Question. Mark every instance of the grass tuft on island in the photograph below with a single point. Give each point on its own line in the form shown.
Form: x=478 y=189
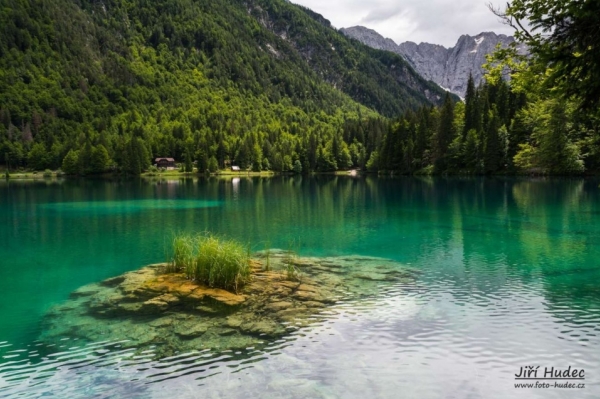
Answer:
x=210 y=260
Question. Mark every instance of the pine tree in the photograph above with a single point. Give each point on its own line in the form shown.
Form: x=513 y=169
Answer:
x=189 y=166
x=471 y=114
x=138 y=157
x=493 y=147
x=471 y=151
x=503 y=103
x=422 y=138
x=445 y=134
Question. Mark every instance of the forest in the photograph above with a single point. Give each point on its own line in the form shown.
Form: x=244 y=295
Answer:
x=496 y=130
x=96 y=86
x=93 y=87
x=546 y=120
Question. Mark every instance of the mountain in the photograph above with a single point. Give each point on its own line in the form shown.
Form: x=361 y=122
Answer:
x=447 y=67
x=250 y=81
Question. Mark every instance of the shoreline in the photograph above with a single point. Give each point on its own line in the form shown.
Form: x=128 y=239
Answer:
x=172 y=175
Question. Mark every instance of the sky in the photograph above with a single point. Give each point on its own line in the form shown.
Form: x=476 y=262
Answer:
x=433 y=21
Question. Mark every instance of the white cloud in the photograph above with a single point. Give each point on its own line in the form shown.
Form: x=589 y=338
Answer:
x=433 y=21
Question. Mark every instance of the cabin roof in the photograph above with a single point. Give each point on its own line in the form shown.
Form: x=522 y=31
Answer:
x=165 y=159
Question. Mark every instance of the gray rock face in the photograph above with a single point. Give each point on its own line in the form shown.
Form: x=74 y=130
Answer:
x=371 y=38
x=448 y=67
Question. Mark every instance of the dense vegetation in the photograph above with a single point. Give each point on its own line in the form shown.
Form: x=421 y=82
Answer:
x=496 y=130
x=560 y=79
x=91 y=86
x=546 y=121
x=213 y=261
x=564 y=39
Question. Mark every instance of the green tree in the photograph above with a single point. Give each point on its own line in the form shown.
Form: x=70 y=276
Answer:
x=551 y=147
x=202 y=158
x=266 y=164
x=38 y=157
x=556 y=152
x=345 y=159
x=526 y=157
x=493 y=154
x=373 y=162
x=470 y=156
x=287 y=164
x=445 y=134
x=138 y=158
x=70 y=163
x=189 y=166
x=297 y=167
x=85 y=158
x=99 y=160
x=213 y=165
x=564 y=36
x=422 y=139
x=471 y=108
x=325 y=159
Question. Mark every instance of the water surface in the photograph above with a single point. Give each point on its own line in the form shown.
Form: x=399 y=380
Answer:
x=509 y=278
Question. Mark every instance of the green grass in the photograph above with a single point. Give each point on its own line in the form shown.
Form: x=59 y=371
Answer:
x=291 y=272
x=267 y=252
x=268 y=263
x=227 y=172
x=182 y=255
x=20 y=174
x=210 y=260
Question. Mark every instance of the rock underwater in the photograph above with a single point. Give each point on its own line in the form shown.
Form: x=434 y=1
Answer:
x=171 y=314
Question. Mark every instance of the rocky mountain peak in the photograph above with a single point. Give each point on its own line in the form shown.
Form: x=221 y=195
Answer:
x=447 y=67
x=370 y=37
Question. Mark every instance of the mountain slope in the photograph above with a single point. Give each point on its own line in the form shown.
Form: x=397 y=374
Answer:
x=448 y=67
x=251 y=80
x=373 y=78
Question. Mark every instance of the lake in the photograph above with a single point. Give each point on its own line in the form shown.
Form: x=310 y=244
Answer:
x=509 y=277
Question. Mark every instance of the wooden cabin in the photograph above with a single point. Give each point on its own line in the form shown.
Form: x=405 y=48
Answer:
x=167 y=163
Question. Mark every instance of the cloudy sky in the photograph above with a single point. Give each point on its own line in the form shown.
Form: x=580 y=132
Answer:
x=433 y=21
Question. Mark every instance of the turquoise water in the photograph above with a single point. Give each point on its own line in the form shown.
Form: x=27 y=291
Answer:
x=510 y=278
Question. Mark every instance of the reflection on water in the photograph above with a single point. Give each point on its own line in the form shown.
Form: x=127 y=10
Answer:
x=509 y=278
x=112 y=207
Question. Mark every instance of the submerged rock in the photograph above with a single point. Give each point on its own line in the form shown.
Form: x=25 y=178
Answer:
x=172 y=314
x=190 y=329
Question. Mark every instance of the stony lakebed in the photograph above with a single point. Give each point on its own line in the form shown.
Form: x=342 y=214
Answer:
x=148 y=309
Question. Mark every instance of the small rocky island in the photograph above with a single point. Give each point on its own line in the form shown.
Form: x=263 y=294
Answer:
x=167 y=312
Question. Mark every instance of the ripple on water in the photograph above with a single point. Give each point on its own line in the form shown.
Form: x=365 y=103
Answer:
x=107 y=368
x=456 y=341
